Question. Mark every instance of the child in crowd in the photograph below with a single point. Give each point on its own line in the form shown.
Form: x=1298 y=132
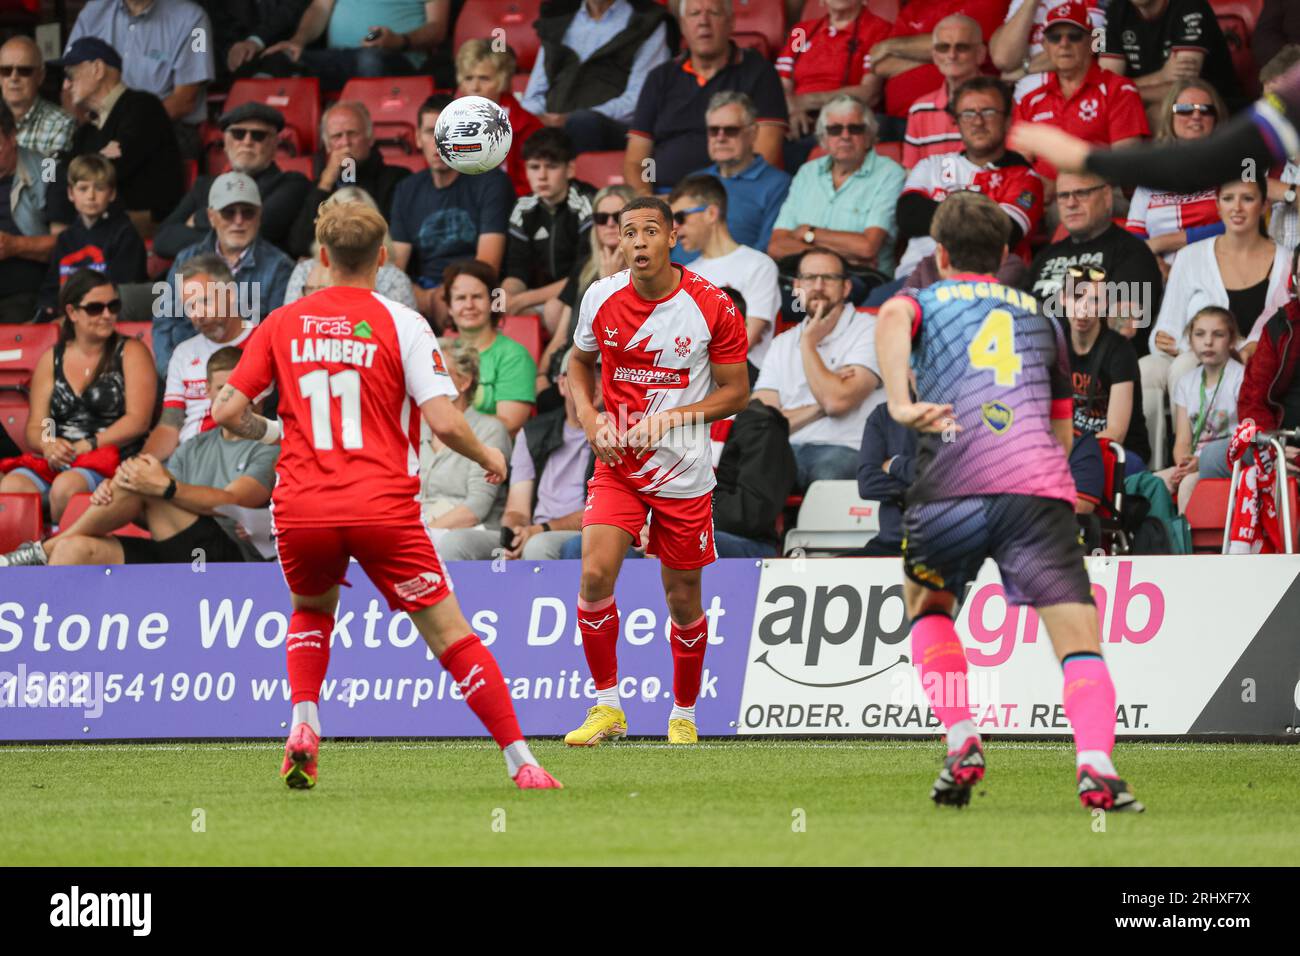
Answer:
x=1205 y=398
x=97 y=238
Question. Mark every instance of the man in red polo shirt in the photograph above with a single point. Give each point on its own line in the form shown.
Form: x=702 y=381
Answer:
x=1079 y=96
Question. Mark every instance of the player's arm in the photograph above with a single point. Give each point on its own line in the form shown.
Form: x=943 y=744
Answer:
x=729 y=398
x=453 y=431
x=233 y=410
x=582 y=386
x=894 y=327
x=491 y=249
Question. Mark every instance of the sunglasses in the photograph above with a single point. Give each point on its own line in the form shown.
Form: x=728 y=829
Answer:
x=853 y=129
x=958 y=48
x=1065 y=36
x=679 y=217
x=1199 y=109
x=1091 y=273
x=241 y=133
x=114 y=306
x=1079 y=194
x=239 y=211
x=604 y=218
x=23 y=71
x=986 y=114
x=725 y=132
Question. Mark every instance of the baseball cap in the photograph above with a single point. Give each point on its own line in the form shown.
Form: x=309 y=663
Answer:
x=259 y=112
x=1072 y=11
x=230 y=188
x=86 y=49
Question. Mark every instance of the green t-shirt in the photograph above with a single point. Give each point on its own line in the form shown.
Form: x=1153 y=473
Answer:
x=506 y=373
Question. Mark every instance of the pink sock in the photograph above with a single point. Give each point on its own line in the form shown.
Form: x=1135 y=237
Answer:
x=1090 y=702
x=940 y=661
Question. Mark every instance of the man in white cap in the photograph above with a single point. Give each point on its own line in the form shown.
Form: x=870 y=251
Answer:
x=261 y=270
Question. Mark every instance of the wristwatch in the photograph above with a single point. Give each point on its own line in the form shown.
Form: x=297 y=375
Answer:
x=810 y=236
x=546 y=526
x=1289 y=196
x=170 y=493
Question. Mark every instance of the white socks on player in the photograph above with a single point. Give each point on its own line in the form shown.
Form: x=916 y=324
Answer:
x=1098 y=760
x=306 y=713
x=683 y=713
x=959 y=733
x=609 y=698
x=517 y=754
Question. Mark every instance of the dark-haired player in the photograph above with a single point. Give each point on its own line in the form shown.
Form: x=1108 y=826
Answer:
x=994 y=387
x=356 y=372
x=673 y=359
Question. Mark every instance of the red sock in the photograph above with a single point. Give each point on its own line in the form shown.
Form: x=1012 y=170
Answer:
x=307 y=652
x=484 y=689
x=689 y=642
x=598 y=624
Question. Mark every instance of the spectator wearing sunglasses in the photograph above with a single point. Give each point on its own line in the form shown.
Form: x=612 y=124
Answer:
x=1078 y=95
x=1017 y=49
x=100 y=238
x=42 y=126
x=25 y=240
x=957 y=51
x=260 y=269
x=1094 y=242
x=248 y=134
x=96 y=387
x=1168 y=221
x=845 y=200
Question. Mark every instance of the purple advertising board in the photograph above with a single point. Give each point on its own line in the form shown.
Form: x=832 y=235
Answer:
x=174 y=651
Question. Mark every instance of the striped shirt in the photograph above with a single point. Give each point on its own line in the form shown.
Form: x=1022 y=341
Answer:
x=46 y=129
x=930 y=130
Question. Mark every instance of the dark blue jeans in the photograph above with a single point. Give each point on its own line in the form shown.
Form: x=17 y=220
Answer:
x=336 y=67
x=825 y=463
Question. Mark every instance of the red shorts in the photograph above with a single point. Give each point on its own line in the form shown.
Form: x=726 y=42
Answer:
x=398 y=559
x=681 y=529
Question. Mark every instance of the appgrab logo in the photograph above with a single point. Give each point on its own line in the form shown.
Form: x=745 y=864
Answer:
x=75 y=909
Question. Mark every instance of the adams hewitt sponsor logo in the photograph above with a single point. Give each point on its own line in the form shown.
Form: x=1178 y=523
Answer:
x=653 y=377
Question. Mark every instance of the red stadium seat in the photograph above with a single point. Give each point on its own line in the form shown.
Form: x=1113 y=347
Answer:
x=480 y=19
x=77 y=506
x=20 y=519
x=601 y=169
x=1236 y=31
x=526 y=330
x=21 y=346
x=397 y=157
x=519 y=83
x=140 y=331
x=762 y=21
x=1206 y=513
x=14 y=412
x=297 y=164
x=297 y=98
x=393 y=102
x=892 y=151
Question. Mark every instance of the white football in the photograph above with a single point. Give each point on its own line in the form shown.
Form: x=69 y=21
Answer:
x=473 y=135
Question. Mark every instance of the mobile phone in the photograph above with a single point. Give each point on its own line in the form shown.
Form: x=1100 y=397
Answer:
x=507 y=537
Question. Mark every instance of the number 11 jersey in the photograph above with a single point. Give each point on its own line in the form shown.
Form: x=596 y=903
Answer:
x=352 y=369
x=985 y=349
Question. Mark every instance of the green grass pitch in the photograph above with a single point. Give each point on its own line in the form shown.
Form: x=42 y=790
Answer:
x=721 y=803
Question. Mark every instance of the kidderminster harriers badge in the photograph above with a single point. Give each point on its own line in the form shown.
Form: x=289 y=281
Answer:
x=683 y=346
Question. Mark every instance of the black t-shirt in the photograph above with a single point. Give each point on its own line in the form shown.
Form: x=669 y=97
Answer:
x=1130 y=267
x=1246 y=304
x=1185 y=24
x=1110 y=361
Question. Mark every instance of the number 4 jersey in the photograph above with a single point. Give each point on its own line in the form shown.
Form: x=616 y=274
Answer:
x=985 y=349
x=352 y=369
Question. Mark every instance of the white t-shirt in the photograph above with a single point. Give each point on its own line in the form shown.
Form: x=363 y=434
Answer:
x=1223 y=412
x=187 y=380
x=754 y=275
x=852 y=342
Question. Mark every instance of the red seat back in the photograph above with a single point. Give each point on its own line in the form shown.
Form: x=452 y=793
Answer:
x=20 y=519
x=77 y=506
x=600 y=169
x=481 y=19
x=1236 y=31
x=762 y=22
x=892 y=151
x=14 y=411
x=526 y=330
x=393 y=102
x=140 y=331
x=412 y=161
x=21 y=346
x=1206 y=513
x=297 y=98
x=296 y=164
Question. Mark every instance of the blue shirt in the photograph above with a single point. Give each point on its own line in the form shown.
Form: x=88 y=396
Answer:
x=443 y=225
x=351 y=20
x=584 y=37
x=157 y=47
x=754 y=198
x=866 y=199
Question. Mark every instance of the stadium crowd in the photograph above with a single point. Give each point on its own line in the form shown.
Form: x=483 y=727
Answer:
x=804 y=149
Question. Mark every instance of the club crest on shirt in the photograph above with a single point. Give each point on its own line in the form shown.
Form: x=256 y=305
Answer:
x=683 y=343
x=998 y=416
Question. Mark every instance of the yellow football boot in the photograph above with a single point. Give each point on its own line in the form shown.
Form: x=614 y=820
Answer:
x=682 y=731
x=602 y=723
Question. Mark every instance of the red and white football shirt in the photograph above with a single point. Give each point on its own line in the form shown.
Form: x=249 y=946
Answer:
x=1152 y=213
x=1010 y=182
x=187 y=381
x=657 y=356
x=352 y=369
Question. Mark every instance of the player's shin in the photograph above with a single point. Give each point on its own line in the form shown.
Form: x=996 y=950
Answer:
x=598 y=623
x=1090 y=706
x=307 y=655
x=689 y=642
x=941 y=664
x=479 y=680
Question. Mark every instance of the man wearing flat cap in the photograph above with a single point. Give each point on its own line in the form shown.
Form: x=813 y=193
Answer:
x=261 y=271
x=128 y=126
x=249 y=135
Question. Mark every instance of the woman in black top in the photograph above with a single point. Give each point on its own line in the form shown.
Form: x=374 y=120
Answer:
x=95 y=387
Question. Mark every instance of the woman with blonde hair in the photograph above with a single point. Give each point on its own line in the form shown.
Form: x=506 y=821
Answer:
x=310 y=276
x=483 y=71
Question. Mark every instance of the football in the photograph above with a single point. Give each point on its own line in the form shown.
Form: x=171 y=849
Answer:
x=473 y=135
